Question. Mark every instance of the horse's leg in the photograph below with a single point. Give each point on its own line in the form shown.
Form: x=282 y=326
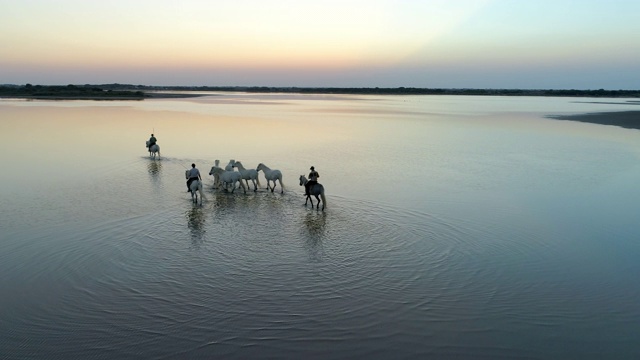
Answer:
x=281 y=186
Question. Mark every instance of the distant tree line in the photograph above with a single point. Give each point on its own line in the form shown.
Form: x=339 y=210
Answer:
x=68 y=92
x=389 y=91
x=127 y=91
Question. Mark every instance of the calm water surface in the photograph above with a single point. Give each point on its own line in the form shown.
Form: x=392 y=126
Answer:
x=456 y=227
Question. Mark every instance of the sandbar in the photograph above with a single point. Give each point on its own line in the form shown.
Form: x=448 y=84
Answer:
x=625 y=119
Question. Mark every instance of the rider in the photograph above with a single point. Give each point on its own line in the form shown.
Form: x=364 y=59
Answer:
x=313 y=179
x=194 y=174
x=152 y=141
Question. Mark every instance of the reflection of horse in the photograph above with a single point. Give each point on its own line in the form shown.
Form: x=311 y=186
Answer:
x=196 y=185
x=153 y=150
x=196 y=221
x=250 y=174
x=154 y=167
x=271 y=175
x=228 y=178
x=315 y=222
x=315 y=190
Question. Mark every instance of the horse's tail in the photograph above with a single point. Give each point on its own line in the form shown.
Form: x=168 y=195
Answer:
x=281 y=183
x=200 y=190
x=324 y=199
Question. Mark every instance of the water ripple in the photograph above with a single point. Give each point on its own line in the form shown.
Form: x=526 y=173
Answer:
x=243 y=272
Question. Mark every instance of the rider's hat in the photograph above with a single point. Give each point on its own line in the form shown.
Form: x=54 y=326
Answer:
x=311 y=168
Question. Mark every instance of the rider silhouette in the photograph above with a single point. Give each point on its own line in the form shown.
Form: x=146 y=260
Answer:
x=194 y=174
x=313 y=179
x=152 y=141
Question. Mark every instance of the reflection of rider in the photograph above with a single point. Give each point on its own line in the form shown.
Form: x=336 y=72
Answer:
x=313 y=179
x=194 y=174
x=152 y=141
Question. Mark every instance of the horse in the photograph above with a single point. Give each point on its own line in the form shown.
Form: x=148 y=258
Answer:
x=229 y=166
x=248 y=174
x=228 y=177
x=216 y=171
x=153 y=150
x=271 y=175
x=216 y=177
x=196 y=185
x=315 y=190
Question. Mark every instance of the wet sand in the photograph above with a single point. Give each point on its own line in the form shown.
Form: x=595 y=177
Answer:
x=625 y=119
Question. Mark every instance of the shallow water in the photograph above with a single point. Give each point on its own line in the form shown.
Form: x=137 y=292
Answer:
x=467 y=227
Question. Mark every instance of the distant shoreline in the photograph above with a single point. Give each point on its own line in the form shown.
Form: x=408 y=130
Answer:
x=625 y=119
x=141 y=92
x=102 y=98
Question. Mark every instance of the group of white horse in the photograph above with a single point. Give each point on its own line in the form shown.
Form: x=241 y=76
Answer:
x=226 y=179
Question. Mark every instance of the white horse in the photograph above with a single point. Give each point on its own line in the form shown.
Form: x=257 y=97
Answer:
x=217 y=181
x=153 y=150
x=195 y=186
x=216 y=177
x=271 y=175
x=228 y=177
x=229 y=166
x=315 y=190
x=248 y=174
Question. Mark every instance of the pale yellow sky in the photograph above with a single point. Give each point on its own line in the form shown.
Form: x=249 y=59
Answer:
x=330 y=43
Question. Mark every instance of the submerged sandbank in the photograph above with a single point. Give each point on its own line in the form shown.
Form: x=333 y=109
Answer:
x=625 y=119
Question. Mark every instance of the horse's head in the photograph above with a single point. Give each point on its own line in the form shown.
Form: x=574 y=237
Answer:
x=303 y=180
x=186 y=174
x=260 y=166
x=215 y=170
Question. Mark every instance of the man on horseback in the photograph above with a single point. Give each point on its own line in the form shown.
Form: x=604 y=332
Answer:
x=313 y=179
x=152 y=141
x=194 y=174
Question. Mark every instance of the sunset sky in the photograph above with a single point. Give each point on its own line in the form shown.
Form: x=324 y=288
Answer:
x=550 y=44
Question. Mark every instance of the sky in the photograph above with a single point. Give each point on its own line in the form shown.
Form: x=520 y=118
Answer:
x=525 y=44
